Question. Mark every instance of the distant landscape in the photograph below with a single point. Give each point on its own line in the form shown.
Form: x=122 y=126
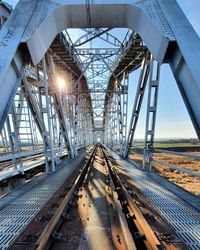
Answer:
x=189 y=146
x=173 y=144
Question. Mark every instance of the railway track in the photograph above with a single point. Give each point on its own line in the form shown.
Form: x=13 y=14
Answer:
x=97 y=212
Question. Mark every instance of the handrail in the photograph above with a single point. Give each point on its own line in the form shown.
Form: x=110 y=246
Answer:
x=177 y=168
x=177 y=153
x=197 y=157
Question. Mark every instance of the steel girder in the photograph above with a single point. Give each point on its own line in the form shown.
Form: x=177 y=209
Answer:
x=58 y=104
x=163 y=31
x=143 y=78
x=33 y=105
x=152 y=103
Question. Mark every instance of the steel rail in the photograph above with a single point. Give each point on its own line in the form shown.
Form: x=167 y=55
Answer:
x=126 y=234
x=113 y=189
x=46 y=234
x=151 y=241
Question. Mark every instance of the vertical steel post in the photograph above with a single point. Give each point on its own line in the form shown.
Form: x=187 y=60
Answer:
x=143 y=78
x=45 y=109
x=124 y=102
x=151 y=113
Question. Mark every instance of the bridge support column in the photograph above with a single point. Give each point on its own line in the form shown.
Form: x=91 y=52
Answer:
x=143 y=78
x=124 y=110
x=183 y=59
x=57 y=97
x=151 y=114
x=44 y=101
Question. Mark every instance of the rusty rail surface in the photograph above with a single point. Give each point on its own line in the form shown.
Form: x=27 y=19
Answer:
x=53 y=223
x=150 y=240
x=143 y=237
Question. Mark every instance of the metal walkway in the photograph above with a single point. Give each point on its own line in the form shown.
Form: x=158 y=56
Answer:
x=12 y=171
x=19 y=207
x=184 y=218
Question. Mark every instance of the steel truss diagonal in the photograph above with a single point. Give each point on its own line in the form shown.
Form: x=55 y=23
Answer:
x=39 y=52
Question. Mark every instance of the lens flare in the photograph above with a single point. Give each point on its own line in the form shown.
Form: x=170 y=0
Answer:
x=60 y=83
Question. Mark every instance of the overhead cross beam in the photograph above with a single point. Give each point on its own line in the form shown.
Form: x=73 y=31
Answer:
x=28 y=37
x=102 y=34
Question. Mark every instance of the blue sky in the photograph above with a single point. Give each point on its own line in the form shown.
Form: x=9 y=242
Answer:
x=172 y=117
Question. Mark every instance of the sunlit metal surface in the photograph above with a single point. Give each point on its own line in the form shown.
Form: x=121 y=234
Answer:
x=37 y=113
x=64 y=84
x=183 y=217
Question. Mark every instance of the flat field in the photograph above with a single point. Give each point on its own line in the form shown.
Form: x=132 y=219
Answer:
x=186 y=181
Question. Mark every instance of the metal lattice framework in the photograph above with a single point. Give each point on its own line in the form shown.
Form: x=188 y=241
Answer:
x=38 y=50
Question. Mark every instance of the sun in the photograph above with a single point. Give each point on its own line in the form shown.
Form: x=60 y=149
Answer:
x=61 y=83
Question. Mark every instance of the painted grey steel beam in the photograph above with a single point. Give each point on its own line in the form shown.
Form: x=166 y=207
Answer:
x=63 y=125
x=102 y=34
x=38 y=28
x=9 y=85
x=188 y=86
x=183 y=59
x=185 y=155
x=12 y=156
x=5 y=10
x=33 y=105
x=158 y=25
x=89 y=36
x=183 y=170
x=58 y=104
x=143 y=78
x=10 y=38
x=97 y=51
x=152 y=103
x=42 y=29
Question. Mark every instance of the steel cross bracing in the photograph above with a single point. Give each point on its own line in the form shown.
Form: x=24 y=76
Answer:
x=143 y=78
x=95 y=67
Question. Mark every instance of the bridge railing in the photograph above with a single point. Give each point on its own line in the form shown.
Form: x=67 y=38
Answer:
x=185 y=155
x=68 y=43
x=124 y=47
x=131 y=39
x=171 y=166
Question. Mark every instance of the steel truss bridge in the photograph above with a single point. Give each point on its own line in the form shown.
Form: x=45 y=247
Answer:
x=64 y=84
x=39 y=53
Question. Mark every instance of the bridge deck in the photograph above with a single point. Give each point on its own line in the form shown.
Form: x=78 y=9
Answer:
x=166 y=198
x=19 y=207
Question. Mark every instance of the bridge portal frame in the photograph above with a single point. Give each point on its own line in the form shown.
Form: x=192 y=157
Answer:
x=43 y=21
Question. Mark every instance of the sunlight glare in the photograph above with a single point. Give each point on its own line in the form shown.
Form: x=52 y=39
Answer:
x=60 y=83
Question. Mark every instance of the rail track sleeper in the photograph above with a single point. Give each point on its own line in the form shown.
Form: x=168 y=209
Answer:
x=149 y=234
x=46 y=234
x=140 y=220
x=98 y=208
x=130 y=245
